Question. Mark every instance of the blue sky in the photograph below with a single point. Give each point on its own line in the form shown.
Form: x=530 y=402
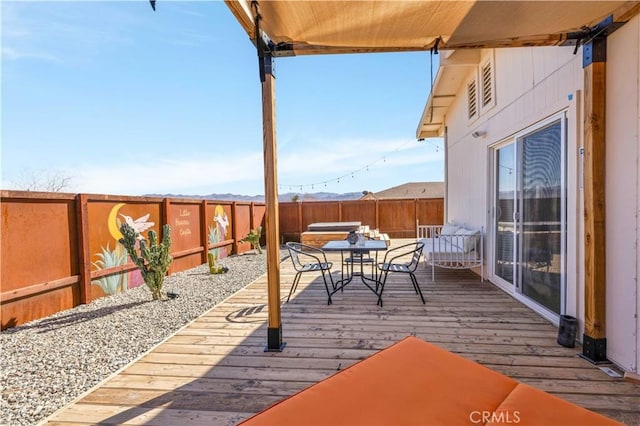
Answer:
x=129 y=101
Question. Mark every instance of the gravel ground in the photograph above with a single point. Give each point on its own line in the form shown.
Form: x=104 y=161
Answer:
x=48 y=363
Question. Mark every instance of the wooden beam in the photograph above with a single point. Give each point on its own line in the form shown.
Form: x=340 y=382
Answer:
x=274 y=331
x=11 y=295
x=594 y=343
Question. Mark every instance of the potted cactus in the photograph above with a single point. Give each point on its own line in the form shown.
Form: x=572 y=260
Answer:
x=152 y=258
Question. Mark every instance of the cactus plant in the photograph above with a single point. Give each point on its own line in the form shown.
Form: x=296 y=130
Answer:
x=152 y=260
x=214 y=254
x=214 y=268
x=253 y=237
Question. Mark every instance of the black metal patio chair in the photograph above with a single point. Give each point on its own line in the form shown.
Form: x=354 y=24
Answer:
x=392 y=263
x=306 y=258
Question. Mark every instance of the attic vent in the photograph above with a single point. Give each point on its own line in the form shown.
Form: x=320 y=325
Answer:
x=487 y=87
x=472 y=99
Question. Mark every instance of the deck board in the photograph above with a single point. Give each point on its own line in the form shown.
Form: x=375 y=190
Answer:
x=215 y=370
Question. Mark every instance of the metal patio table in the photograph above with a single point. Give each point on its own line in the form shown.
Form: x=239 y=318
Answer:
x=343 y=246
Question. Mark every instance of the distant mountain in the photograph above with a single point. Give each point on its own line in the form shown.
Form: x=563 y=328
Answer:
x=289 y=196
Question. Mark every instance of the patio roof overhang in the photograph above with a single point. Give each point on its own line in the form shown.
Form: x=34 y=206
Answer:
x=301 y=27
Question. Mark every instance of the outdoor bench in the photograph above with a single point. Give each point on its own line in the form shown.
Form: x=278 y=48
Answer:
x=451 y=246
x=414 y=382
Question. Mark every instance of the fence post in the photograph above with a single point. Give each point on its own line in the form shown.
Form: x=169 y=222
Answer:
x=339 y=211
x=415 y=214
x=377 y=215
x=204 y=235
x=84 y=258
x=165 y=220
x=251 y=219
x=234 y=226
x=300 y=230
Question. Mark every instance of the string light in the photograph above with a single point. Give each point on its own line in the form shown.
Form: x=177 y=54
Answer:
x=353 y=173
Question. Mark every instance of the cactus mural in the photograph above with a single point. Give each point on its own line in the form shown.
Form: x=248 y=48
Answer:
x=217 y=233
x=116 y=283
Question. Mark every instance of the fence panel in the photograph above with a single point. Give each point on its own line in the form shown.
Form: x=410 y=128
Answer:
x=112 y=271
x=363 y=211
x=40 y=268
x=259 y=210
x=242 y=225
x=186 y=234
x=219 y=223
x=397 y=218
x=430 y=211
x=290 y=221
x=320 y=211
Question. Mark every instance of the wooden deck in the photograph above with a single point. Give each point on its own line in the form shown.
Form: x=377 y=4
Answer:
x=215 y=371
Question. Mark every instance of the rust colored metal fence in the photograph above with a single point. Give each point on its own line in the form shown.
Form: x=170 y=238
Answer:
x=395 y=217
x=61 y=250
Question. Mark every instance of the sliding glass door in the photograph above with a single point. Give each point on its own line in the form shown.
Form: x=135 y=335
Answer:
x=530 y=215
x=505 y=213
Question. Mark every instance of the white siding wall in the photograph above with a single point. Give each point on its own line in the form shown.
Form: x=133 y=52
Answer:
x=525 y=95
x=622 y=176
x=531 y=85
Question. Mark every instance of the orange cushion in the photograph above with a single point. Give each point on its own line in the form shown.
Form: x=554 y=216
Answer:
x=409 y=383
x=527 y=405
x=416 y=383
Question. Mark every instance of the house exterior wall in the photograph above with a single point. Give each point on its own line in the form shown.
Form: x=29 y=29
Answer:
x=534 y=84
x=622 y=176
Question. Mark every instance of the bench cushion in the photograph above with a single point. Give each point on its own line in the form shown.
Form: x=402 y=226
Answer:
x=467 y=239
x=415 y=383
x=443 y=250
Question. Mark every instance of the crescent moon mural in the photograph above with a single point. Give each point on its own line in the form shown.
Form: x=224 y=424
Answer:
x=112 y=222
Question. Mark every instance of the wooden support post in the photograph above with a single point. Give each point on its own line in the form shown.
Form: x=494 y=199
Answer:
x=274 y=327
x=84 y=257
x=594 y=345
